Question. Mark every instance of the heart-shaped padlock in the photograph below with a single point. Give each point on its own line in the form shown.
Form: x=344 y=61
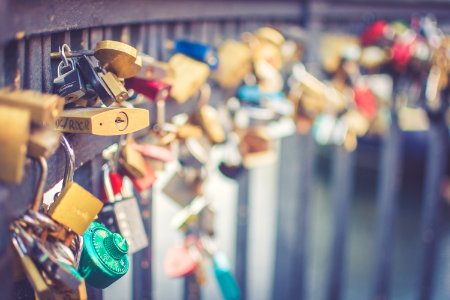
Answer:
x=179 y=262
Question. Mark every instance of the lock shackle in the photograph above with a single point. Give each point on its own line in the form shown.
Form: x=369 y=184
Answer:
x=37 y=201
x=204 y=94
x=107 y=183
x=62 y=52
x=70 y=160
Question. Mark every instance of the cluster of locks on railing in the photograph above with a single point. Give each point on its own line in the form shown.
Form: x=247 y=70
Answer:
x=268 y=94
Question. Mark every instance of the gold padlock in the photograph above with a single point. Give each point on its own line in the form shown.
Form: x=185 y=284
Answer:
x=43 y=142
x=189 y=76
x=116 y=87
x=256 y=148
x=155 y=70
x=333 y=48
x=74 y=208
x=119 y=58
x=15 y=124
x=43 y=108
x=133 y=161
x=103 y=121
x=235 y=63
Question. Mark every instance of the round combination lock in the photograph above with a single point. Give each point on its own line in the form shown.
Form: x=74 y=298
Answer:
x=104 y=258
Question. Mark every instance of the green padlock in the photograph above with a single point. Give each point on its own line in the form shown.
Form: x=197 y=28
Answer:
x=104 y=258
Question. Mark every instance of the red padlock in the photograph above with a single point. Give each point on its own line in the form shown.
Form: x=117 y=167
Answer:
x=365 y=101
x=116 y=183
x=375 y=33
x=147 y=181
x=152 y=89
x=401 y=54
x=154 y=152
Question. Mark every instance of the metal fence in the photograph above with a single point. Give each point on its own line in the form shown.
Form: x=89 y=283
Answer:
x=352 y=234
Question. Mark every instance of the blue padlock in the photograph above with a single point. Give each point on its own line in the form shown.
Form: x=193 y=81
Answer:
x=198 y=51
x=226 y=280
x=250 y=94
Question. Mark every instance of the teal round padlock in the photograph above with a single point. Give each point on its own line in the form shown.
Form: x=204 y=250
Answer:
x=104 y=257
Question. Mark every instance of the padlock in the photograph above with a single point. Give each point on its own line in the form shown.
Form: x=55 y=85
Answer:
x=91 y=75
x=189 y=76
x=235 y=63
x=256 y=148
x=153 y=69
x=13 y=138
x=122 y=213
x=104 y=258
x=208 y=117
x=154 y=152
x=222 y=271
x=378 y=33
x=132 y=161
x=103 y=121
x=198 y=51
x=152 y=89
x=184 y=218
x=116 y=87
x=182 y=188
x=68 y=83
x=44 y=109
x=118 y=58
x=413 y=119
x=144 y=183
x=180 y=261
x=43 y=142
x=194 y=153
x=365 y=101
x=75 y=208
x=333 y=48
x=54 y=261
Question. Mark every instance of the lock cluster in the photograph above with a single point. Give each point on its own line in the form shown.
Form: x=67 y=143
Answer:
x=234 y=102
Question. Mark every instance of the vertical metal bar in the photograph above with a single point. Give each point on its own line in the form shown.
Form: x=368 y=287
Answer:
x=2 y=66
x=95 y=36
x=20 y=79
x=341 y=199
x=389 y=184
x=242 y=232
x=290 y=280
x=437 y=157
x=47 y=79
x=34 y=63
x=142 y=271
x=10 y=63
x=153 y=40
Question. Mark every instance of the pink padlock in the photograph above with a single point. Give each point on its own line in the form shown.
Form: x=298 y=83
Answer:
x=154 y=152
x=180 y=262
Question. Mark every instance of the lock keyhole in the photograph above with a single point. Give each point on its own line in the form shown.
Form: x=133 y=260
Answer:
x=121 y=121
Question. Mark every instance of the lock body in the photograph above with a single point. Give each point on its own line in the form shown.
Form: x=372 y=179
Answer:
x=104 y=258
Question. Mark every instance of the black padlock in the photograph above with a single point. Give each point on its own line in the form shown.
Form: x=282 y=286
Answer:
x=69 y=83
x=231 y=171
x=91 y=74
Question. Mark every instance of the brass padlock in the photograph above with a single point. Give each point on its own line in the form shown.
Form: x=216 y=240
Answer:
x=119 y=58
x=116 y=87
x=332 y=50
x=43 y=108
x=133 y=161
x=189 y=76
x=15 y=124
x=256 y=148
x=103 y=121
x=74 y=208
x=43 y=142
x=235 y=63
